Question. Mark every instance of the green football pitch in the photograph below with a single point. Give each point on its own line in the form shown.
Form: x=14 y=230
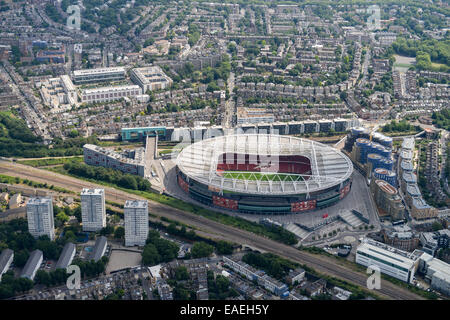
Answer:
x=266 y=176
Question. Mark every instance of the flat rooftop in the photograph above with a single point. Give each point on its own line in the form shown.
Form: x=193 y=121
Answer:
x=386 y=187
x=87 y=191
x=85 y=72
x=136 y=204
x=387 y=253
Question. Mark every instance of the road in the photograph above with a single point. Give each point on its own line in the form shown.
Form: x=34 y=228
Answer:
x=229 y=104
x=323 y=264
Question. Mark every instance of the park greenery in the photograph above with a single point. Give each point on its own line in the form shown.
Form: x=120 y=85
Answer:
x=401 y=126
x=15 y=236
x=158 y=250
x=201 y=250
x=441 y=119
x=31 y=183
x=52 y=278
x=46 y=162
x=116 y=177
x=426 y=52
x=273 y=265
x=11 y=286
x=91 y=268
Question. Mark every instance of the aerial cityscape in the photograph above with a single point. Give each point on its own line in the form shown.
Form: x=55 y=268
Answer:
x=242 y=150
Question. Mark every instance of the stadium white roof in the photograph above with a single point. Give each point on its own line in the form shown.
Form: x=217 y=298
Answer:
x=329 y=167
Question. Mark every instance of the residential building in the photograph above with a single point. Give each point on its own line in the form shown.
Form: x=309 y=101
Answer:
x=15 y=201
x=40 y=217
x=388 y=201
x=93 y=212
x=432 y=241
x=98 y=75
x=52 y=55
x=150 y=78
x=107 y=94
x=136 y=222
x=270 y=284
x=32 y=265
x=132 y=163
x=264 y=280
x=6 y=258
x=401 y=237
x=67 y=255
x=296 y=275
x=99 y=248
x=254 y=115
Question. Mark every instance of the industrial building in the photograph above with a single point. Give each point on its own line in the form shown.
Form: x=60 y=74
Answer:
x=32 y=265
x=40 y=217
x=67 y=255
x=396 y=263
x=6 y=258
x=150 y=78
x=136 y=222
x=98 y=75
x=93 y=211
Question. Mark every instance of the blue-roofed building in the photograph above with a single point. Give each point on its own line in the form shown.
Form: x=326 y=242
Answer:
x=138 y=134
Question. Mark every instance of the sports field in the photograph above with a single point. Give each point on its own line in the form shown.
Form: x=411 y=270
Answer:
x=262 y=176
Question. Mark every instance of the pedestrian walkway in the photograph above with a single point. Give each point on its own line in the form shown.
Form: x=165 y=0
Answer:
x=298 y=231
x=350 y=218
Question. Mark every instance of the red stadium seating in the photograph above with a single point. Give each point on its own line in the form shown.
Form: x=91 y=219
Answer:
x=294 y=164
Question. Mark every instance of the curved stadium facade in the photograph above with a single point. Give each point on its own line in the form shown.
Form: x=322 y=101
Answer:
x=264 y=173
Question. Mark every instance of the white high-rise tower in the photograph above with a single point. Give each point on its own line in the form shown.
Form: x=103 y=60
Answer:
x=40 y=217
x=93 y=212
x=136 y=222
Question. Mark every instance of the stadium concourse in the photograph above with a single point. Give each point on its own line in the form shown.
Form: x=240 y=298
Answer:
x=264 y=173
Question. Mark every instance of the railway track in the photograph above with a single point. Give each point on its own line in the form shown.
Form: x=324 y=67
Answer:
x=320 y=263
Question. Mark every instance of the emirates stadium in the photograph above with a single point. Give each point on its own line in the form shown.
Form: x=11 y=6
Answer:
x=264 y=173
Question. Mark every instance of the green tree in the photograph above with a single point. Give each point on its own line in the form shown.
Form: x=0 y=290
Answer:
x=150 y=255
x=119 y=233
x=181 y=273
x=224 y=247
x=201 y=249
